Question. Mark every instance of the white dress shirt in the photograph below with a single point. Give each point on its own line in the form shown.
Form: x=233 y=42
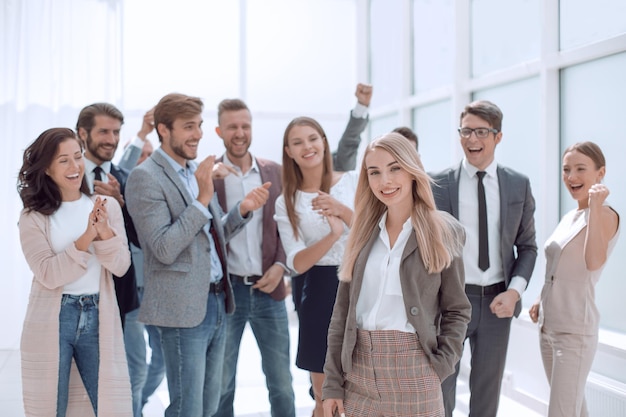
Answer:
x=312 y=226
x=468 y=216
x=89 y=174
x=381 y=304
x=245 y=254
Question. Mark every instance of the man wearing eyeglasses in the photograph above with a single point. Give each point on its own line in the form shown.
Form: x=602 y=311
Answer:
x=496 y=207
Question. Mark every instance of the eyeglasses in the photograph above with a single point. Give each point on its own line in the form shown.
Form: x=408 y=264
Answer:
x=480 y=132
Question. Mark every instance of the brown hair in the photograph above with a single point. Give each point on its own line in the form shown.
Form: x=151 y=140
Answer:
x=87 y=116
x=174 y=106
x=589 y=149
x=292 y=174
x=230 y=104
x=487 y=111
x=36 y=189
x=440 y=237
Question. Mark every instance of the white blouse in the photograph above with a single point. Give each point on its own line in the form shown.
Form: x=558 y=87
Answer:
x=381 y=303
x=312 y=227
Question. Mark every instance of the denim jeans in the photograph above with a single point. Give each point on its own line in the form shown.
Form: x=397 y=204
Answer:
x=78 y=339
x=144 y=377
x=270 y=325
x=194 y=361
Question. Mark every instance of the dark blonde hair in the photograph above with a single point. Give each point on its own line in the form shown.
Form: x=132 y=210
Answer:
x=174 y=106
x=292 y=174
x=440 y=237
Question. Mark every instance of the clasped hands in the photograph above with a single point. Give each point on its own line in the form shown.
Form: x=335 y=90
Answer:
x=205 y=173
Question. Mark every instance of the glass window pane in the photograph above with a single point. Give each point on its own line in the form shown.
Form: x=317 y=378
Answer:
x=434 y=129
x=385 y=52
x=504 y=33
x=584 y=21
x=433 y=44
x=301 y=55
x=185 y=58
x=593 y=97
x=385 y=124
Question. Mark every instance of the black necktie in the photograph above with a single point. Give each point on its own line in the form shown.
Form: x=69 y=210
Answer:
x=97 y=172
x=483 y=238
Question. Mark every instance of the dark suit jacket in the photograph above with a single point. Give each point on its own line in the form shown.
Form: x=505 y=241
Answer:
x=518 y=245
x=177 y=252
x=271 y=246
x=126 y=285
x=435 y=304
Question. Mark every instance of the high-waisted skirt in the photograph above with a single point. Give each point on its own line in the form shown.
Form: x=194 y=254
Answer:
x=391 y=376
x=316 y=308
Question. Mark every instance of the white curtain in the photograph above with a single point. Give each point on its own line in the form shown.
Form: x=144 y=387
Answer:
x=56 y=57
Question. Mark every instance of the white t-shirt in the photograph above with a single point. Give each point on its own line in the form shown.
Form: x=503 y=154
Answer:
x=67 y=224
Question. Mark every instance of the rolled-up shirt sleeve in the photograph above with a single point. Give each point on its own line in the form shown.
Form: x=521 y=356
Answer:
x=291 y=244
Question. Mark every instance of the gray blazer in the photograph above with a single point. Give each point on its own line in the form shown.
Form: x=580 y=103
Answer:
x=177 y=257
x=344 y=159
x=435 y=304
x=518 y=245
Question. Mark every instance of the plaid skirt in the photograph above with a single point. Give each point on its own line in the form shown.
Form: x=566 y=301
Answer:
x=391 y=376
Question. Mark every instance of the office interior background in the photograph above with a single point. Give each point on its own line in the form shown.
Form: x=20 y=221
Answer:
x=556 y=69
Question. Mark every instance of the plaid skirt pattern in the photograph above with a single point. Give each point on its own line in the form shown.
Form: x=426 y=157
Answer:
x=391 y=376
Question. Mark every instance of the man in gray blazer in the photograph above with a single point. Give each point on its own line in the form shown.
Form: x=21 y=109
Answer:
x=495 y=282
x=183 y=234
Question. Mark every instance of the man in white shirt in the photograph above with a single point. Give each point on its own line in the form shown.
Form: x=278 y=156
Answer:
x=499 y=254
x=256 y=258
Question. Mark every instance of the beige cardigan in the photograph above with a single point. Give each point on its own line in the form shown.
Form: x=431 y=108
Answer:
x=40 y=335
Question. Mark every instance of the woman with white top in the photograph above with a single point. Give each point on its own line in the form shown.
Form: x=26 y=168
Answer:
x=575 y=256
x=73 y=243
x=401 y=312
x=314 y=214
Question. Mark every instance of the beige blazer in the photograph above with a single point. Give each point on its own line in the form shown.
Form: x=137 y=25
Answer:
x=436 y=306
x=40 y=336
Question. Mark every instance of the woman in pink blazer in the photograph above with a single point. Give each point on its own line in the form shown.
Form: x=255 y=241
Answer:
x=73 y=243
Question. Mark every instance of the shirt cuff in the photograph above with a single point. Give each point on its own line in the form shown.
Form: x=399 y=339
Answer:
x=137 y=142
x=203 y=209
x=282 y=265
x=518 y=284
x=360 y=111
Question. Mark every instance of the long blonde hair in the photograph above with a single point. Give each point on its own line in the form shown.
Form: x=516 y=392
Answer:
x=292 y=174
x=440 y=237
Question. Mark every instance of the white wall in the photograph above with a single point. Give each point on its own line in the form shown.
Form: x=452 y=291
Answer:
x=285 y=58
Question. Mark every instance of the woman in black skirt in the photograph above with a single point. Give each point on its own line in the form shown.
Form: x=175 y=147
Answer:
x=313 y=215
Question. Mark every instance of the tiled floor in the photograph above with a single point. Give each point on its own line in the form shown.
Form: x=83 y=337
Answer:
x=251 y=394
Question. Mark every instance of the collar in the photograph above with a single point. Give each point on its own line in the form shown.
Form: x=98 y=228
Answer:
x=90 y=165
x=190 y=168
x=254 y=165
x=471 y=170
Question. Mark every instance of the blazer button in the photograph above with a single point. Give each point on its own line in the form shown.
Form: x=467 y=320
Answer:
x=414 y=311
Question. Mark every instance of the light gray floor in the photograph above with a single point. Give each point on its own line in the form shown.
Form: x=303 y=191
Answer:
x=250 y=397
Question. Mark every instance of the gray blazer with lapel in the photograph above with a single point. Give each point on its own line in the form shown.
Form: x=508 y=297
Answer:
x=518 y=245
x=176 y=249
x=435 y=304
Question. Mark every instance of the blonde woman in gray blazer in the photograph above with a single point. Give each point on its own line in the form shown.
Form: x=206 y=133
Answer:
x=401 y=311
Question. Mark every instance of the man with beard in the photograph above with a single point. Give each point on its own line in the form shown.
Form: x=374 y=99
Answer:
x=256 y=257
x=183 y=234
x=99 y=126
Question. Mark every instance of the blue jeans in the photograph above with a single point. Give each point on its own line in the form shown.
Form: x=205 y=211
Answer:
x=78 y=339
x=194 y=361
x=144 y=378
x=269 y=322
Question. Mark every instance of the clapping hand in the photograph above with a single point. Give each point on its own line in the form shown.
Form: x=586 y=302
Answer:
x=255 y=199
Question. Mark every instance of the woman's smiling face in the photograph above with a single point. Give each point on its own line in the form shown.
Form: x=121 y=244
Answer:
x=579 y=174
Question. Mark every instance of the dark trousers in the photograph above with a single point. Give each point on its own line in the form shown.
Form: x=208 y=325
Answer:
x=489 y=339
